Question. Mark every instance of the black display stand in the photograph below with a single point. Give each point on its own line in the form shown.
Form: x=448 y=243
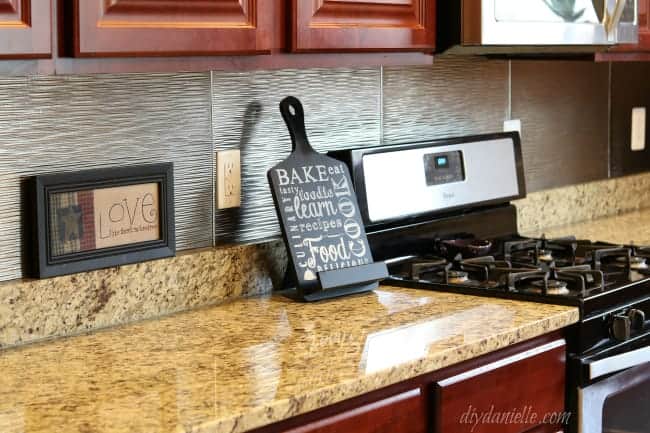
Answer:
x=340 y=282
x=319 y=215
x=349 y=280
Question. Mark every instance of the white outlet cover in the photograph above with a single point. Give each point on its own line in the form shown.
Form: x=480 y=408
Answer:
x=513 y=125
x=638 y=129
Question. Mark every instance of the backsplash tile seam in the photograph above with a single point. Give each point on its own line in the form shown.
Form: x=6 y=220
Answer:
x=381 y=105
x=213 y=184
x=340 y=111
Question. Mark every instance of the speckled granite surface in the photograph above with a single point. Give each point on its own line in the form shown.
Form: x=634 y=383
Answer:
x=34 y=309
x=633 y=227
x=584 y=202
x=253 y=361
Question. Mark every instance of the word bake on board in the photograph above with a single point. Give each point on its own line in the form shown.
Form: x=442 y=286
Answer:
x=317 y=207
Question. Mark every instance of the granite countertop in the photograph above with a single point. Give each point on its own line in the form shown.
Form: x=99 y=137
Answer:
x=253 y=361
x=620 y=229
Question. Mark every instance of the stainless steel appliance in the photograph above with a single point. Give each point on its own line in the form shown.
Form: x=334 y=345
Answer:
x=614 y=393
x=533 y=26
x=439 y=214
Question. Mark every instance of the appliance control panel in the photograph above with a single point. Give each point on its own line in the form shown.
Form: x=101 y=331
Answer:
x=441 y=168
x=402 y=181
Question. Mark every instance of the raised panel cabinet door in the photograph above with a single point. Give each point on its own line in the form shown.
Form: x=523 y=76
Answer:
x=402 y=413
x=25 y=29
x=516 y=394
x=119 y=28
x=363 y=25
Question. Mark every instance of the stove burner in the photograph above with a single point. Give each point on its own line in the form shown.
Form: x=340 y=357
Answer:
x=641 y=251
x=545 y=255
x=545 y=268
x=469 y=247
x=556 y=281
x=426 y=264
x=457 y=277
x=541 y=251
x=636 y=262
x=602 y=254
x=553 y=287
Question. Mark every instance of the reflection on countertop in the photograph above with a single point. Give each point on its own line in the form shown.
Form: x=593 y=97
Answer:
x=253 y=361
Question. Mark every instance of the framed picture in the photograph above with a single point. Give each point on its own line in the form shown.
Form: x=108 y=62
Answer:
x=100 y=218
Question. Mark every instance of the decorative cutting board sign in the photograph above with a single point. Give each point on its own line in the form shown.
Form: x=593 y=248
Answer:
x=320 y=219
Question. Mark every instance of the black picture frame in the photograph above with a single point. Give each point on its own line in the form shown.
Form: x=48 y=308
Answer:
x=43 y=263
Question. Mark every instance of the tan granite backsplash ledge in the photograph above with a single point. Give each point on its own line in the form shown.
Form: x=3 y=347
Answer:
x=32 y=310
x=583 y=202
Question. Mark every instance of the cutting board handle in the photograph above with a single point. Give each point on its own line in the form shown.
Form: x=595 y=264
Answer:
x=294 y=117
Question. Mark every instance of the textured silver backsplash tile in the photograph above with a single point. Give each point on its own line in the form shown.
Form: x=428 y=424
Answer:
x=341 y=111
x=52 y=124
x=456 y=96
x=563 y=107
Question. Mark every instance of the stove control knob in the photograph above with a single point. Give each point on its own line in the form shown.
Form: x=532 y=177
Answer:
x=621 y=327
x=637 y=317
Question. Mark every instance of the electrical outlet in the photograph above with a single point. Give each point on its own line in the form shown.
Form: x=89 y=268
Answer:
x=513 y=125
x=228 y=179
x=638 y=129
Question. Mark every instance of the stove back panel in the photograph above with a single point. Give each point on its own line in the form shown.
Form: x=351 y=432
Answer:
x=400 y=182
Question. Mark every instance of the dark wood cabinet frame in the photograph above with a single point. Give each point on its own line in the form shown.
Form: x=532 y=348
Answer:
x=136 y=29
x=62 y=49
x=25 y=29
x=353 y=25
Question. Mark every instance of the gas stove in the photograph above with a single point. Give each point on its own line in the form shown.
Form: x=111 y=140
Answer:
x=569 y=271
x=596 y=277
x=439 y=214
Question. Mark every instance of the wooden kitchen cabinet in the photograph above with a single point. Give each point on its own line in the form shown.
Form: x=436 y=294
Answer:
x=362 y=25
x=402 y=413
x=25 y=29
x=528 y=377
x=121 y=36
x=508 y=395
x=124 y=28
x=120 y=28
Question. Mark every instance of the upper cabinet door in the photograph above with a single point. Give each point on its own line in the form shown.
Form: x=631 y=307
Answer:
x=363 y=25
x=25 y=29
x=116 y=28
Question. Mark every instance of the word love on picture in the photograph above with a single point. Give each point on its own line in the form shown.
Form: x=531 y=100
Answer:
x=100 y=218
x=126 y=214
